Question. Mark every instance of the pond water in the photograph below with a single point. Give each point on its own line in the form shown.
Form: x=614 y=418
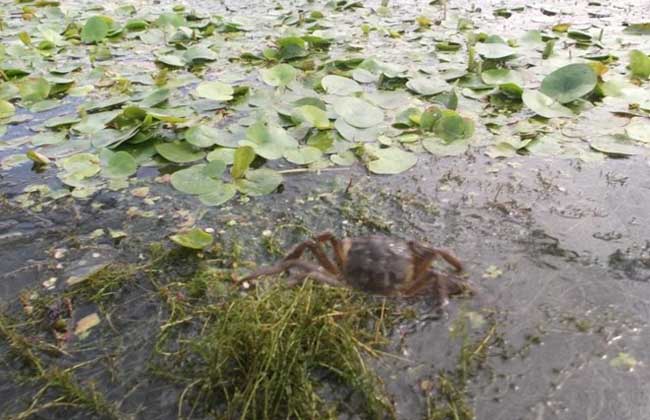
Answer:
x=555 y=238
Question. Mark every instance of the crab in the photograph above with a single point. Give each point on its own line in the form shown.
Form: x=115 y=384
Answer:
x=375 y=264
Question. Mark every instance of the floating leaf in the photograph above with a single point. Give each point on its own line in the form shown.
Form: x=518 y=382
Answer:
x=451 y=126
x=501 y=77
x=303 y=155
x=280 y=75
x=193 y=239
x=195 y=180
x=544 y=105
x=214 y=90
x=312 y=115
x=120 y=165
x=337 y=85
x=495 y=51
x=95 y=29
x=259 y=182
x=614 y=146
x=179 y=152
x=81 y=165
x=569 y=83
x=427 y=87
x=202 y=136
x=268 y=140
x=155 y=98
x=34 y=89
x=638 y=129
x=6 y=109
x=219 y=195
x=358 y=113
x=639 y=64
x=438 y=147
x=199 y=54
x=391 y=160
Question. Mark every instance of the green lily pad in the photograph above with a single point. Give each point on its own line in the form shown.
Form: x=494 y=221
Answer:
x=638 y=129
x=427 y=87
x=171 y=60
x=391 y=160
x=614 y=146
x=199 y=54
x=569 y=83
x=155 y=98
x=280 y=75
x=120 y=165
x=34 y=89
x=639 y=64
x=268 y=140
x=452 y=126
x=544 y=105
x=216 y=91
x=312 y=115
x=219 y=195
x=438 y=147
x=337 y=85
x=501 y=77
x=358 y=113
x=495 y=51
x=223 y=154
x=259 y=182
x=95 y=29
x=202 y=136
x=81 y=165
x=179 y=152
x=303 y=155
x=193 y=239
x=195 y=180
x=6 y=109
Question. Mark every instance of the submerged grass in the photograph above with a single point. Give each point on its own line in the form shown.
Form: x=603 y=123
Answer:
x=267 y=354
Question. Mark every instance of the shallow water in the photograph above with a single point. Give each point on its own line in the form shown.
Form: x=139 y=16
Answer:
x=571 y=241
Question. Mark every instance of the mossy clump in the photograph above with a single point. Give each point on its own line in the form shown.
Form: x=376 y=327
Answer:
x=267 y=354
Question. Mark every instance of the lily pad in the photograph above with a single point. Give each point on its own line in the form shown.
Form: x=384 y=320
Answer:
x=268 y=140
x=391 y=160
x=358 y=113
x=195 y=180
x=427 y=87
x=639 y=64
x=638 y=129
x=214 y=90
x=452 y=126
x=120 y=165
x=95 y=29
x=259 y=182
x=34 y=89
x=569 y=83
x=280 y=75
x=219 y=195
x=304 y=155
x=179 y=152
x=311 y=115
x=202 y=136
x=6 y=109
x=495 y=51
x=193 y=239
x=501 y=77
x=544 y=105
x=337 y=85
